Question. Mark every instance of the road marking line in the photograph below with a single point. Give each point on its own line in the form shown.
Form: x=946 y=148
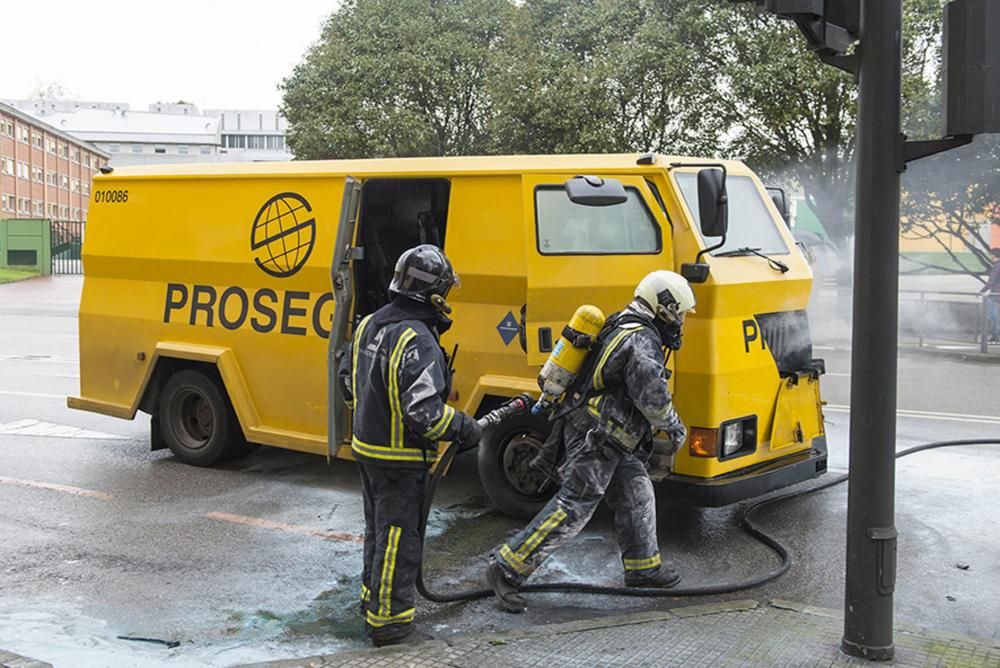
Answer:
x=65 y=489
x=50 y=429
x=929 y=415
x=15 y=393
x=289 y=528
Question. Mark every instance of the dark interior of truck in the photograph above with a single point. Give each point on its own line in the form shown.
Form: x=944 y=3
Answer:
x=396 y=215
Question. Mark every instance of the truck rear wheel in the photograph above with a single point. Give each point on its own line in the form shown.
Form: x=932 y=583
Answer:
x=517 y=489
x=197 y=421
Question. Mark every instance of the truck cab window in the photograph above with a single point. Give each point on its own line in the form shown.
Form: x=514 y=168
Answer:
x=566 y=228
x=396 y=215
x=750 y=222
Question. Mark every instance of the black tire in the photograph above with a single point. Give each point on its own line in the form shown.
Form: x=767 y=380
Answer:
x=517 y=490
x=197 y=420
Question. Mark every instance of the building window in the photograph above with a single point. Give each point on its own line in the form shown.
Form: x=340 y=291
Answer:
x=22 y=134
x=23 y=171
x=159 y=149
x=64 y=182
x=182 y=149
x=64 y=211
x=39 y=208
x=114 y=148
x=86 y=187
x=76 y=155
x=54 y=210
x=24 y=205
x=76 y=185
x=50 y=146
x=38 y=175
x=206 y=150
x=6 y=128
x=64 y=150
x=36 y=140
x=7 y=166
x=137 y=148
x=53 y=179
x=6 y=202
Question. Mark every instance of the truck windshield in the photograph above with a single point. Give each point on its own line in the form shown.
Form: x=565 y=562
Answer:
x=750 y=223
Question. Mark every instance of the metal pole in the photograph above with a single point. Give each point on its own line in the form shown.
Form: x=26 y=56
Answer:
x=984 y=326
x=871 y=534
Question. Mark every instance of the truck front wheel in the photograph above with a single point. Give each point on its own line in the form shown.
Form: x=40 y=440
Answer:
x=196 y=419
x=517 y=489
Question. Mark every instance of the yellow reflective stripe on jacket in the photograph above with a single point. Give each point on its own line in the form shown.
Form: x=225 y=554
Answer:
x=388 y=572
x=354 y=362
x=378 y=621
x=447 y=415
x=598 y=380
x=389 y=453
x=366 y=593
x=395 y=401
x=642 y=564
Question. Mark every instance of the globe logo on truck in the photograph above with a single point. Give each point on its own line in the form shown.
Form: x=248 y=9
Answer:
x=283 y=234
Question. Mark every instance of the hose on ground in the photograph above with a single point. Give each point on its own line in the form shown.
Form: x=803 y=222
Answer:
x=746 y=522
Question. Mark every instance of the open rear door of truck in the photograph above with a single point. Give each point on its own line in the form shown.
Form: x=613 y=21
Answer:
x=344 y=254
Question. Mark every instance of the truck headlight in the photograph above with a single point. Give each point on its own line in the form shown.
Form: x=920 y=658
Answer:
x=739 y=437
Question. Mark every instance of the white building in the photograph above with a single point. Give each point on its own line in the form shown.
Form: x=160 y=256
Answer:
x=168 y=132
x=252 y=135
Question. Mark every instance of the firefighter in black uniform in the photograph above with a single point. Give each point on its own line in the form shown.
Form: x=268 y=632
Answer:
x=399 y=382
x=619 y=399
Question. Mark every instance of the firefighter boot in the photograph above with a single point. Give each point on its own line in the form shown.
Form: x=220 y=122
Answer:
x=664 y=578
x=414 y=635
x=506 y=591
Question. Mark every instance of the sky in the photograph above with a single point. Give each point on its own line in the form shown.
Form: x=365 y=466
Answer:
x=215 y=53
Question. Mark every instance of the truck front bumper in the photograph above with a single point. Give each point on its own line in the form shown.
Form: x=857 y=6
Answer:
x=749 y=482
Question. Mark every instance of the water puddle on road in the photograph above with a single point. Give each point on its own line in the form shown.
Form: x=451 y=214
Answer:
x=63 y=636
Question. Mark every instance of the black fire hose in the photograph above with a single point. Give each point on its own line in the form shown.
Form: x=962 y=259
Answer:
x=746 y=523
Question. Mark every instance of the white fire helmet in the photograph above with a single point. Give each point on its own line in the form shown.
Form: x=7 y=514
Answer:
x=668 y=294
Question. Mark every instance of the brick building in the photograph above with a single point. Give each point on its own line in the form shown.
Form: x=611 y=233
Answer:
x=44 y=172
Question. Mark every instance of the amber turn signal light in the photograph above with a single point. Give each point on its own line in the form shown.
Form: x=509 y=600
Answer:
x=703 y=442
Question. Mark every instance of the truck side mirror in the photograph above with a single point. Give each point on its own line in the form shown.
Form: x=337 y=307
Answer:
x=713 y=203
x=971 y=62
x=780 y=203
x=595 y=191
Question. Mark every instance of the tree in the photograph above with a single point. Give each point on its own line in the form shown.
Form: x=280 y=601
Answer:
x=395 y=78
x=601 y=76
x=793 y=117
x=49 y=90
x=954 y=198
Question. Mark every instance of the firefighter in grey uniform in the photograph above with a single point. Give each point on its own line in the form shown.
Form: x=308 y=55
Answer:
x=399 y=382
x=619 y=400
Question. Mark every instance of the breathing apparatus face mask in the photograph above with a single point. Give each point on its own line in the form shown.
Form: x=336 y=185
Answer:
x=441 y=306
x=668 y=323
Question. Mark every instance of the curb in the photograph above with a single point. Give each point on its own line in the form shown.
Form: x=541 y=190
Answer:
x=11 y=660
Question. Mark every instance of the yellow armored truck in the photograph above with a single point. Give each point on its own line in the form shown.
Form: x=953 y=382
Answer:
x=219 y=297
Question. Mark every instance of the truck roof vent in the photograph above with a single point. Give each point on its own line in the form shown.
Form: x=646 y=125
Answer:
x=646 y=159
x=106 y=169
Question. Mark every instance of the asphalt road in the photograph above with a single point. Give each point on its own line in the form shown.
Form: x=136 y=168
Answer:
x=258 y=559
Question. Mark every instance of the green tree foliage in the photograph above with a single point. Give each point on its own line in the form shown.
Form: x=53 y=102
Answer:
x=793 y=117
x=602 y=76
x=396 y=78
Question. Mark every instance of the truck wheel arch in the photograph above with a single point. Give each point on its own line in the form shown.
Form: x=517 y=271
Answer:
x=169 y=358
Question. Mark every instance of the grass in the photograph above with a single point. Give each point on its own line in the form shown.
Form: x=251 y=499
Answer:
x=11 y=275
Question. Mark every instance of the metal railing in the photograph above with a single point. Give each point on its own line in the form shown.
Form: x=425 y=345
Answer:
x=67 y=244
x=949 y=315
